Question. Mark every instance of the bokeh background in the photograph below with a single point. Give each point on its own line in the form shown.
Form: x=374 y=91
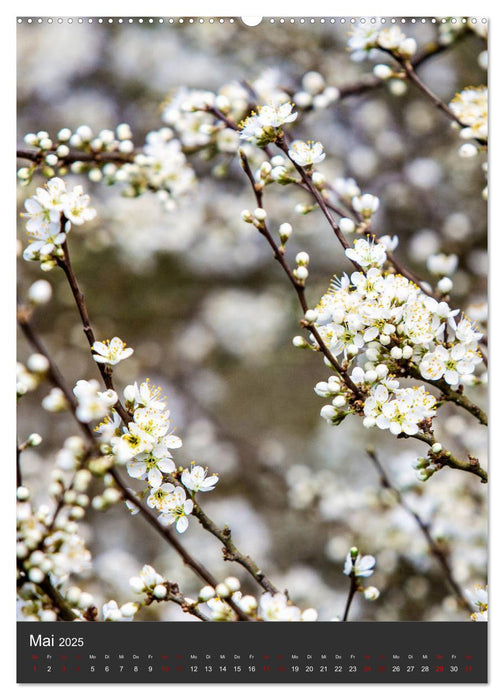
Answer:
x=196 y=293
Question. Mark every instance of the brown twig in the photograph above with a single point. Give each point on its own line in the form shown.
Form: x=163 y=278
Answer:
x=64 y=611
x=93 y=157
x=352 y=591
x=446 y=458
x=262 y=227
x=230 y=550
x=105 y=370
x=173 y=595
x=57 y=379
x=434 y=548
x=280 y=142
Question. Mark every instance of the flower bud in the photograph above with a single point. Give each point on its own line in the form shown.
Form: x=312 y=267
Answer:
x=222 y=590
x=128 y=609
x=123 y=132
x=111 y=495
x=302 y=258
x=206 y=593
x=36 y=575
x=260 y=214
x=339 y=401
x=73 y=595
x=328 y=412
x=248 y=604
x=445 y=285
x=346 y=225
x=407 y=47
x=48 y=616
x=371 y=593
x=382 y=71
x=468 y=150
x=40 y=292
x=159 y=591
x=137 y=584
x=126 y=146
x=86 y=601
x=51 y=159
x=85 y=132
x=301 y=273
x=232 y=583
x=64 y=134
x=38 y=363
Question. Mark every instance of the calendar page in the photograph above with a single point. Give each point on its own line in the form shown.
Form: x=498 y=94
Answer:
x=252 y=350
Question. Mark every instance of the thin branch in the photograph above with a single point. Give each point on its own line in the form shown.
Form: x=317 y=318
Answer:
x=53 y=373
x=93 y=157
x=300 y=291
x=445 y=458
x=105 y=370
x=434 y=548
x=280 y=142
x=58 y=381
x=450 y=395
x=166 y=533
x=19 y=478
x=351 y=593
x=371 y=82
x=231 y=551
x=64 y=611
x=173 y=595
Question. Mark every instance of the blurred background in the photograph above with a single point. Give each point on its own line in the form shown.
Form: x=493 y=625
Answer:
x=197 y=294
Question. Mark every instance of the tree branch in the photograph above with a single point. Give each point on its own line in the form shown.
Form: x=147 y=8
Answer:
x=436 y=551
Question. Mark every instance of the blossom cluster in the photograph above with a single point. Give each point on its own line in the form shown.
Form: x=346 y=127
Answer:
x=50 y=213
x=264 y=126
x=59 y=552
x=92 y=404
x=214 y=601
x=271 y=607
x=470 y=106
x=478 y=598
x=398 y=331
x=191 y=113
x=49 y=545
x=364 y=38
x=145 y=445
x=159 y=166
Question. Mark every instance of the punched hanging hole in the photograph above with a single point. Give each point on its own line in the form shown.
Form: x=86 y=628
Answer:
x=251 y=21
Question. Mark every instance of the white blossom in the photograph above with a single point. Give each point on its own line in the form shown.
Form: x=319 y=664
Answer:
x=367 y=253
x=361 y=567
x=197 y=480
x=175 y=509
x=478 y=597
x=111 y=352
x=92 y=404
x=306 y=153
x=276 y=116
x=274 y=607
x=146 y=581
x=470 y=106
